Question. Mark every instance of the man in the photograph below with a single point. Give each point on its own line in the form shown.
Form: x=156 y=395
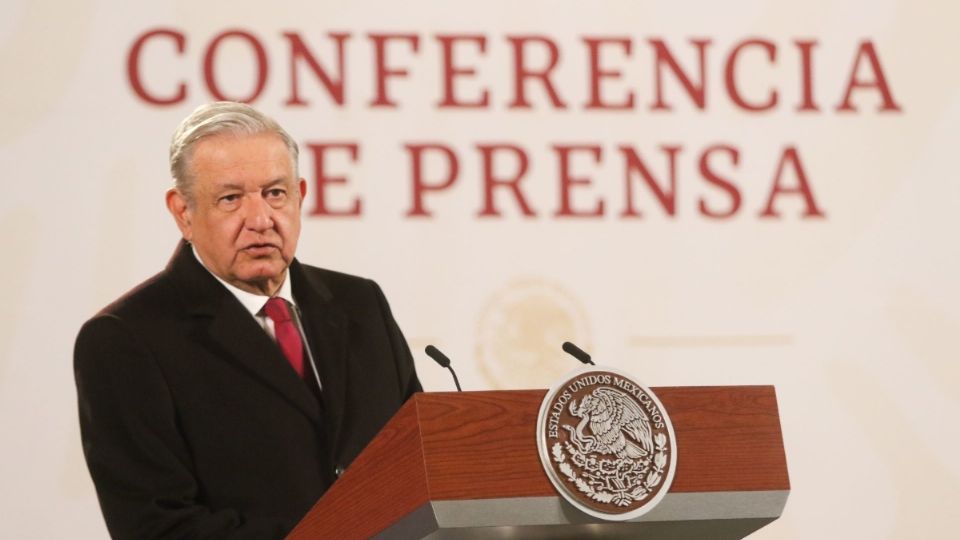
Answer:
x=223 y=396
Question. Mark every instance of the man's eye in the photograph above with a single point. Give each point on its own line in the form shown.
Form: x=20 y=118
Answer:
x=276 y=193
x=229 y=201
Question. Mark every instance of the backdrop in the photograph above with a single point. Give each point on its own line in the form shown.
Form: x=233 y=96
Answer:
x=707 y=193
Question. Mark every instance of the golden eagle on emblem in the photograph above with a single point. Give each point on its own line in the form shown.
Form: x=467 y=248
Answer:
x=617 y=425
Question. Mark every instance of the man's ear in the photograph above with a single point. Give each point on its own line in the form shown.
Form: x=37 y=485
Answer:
x=180 y=210
x=303 y=190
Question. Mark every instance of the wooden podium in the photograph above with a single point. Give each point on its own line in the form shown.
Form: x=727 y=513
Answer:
x=465 y=465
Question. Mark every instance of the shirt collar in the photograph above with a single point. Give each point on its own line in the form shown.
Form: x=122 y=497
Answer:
x=253 y=302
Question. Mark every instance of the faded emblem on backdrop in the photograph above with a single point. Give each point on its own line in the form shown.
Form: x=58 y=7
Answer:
x=518 y=331
x=607 y=444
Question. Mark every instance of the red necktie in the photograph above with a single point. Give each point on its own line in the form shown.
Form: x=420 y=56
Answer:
x=287 y=335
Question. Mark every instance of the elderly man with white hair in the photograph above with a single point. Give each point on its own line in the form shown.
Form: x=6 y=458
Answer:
x=223 y=396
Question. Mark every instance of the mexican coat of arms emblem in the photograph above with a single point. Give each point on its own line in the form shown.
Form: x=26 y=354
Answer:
x=606 y=443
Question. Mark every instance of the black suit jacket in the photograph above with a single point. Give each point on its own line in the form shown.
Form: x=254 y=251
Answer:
x=193 y=423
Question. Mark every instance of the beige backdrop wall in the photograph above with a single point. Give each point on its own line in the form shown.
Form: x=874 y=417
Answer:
x=852 y=315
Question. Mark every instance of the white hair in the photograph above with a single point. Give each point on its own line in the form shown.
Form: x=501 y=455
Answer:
x=218 y=118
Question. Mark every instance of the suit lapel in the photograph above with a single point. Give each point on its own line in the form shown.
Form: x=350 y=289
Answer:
x=248 y=346
x=326 y=327
x=235 y=334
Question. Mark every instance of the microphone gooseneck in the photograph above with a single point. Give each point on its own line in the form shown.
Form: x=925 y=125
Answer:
x=577 y=353
x=442 y=359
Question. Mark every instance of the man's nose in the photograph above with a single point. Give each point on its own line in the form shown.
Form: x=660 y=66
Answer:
x=258 y=215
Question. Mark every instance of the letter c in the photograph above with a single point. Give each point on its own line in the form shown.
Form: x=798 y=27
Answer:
x=133 y=67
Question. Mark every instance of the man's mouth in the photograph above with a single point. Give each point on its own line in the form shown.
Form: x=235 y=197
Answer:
x=260 y=250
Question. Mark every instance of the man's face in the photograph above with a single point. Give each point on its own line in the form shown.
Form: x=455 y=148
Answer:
x=245 y=216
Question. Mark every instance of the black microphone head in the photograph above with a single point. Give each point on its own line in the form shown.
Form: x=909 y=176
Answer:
x=437 y=356
x=576 y=352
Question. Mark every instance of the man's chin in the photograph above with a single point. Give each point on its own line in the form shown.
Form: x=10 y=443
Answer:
x=262 y=275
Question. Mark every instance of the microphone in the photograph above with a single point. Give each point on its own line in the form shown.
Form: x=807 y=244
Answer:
x=297 y=317
x=442 y=359
x=577 y=353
